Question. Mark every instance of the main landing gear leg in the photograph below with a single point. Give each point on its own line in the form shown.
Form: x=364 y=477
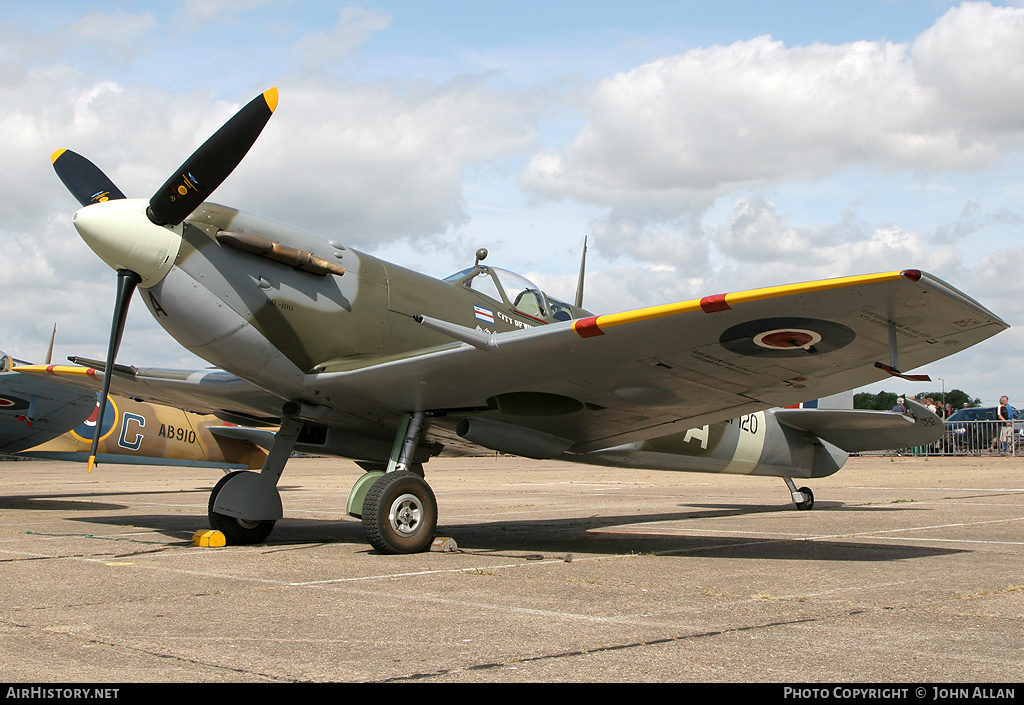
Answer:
x=244 y=506
x=803 y=497
x=399 y=511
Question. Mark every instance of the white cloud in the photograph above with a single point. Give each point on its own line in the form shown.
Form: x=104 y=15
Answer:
x=756 y=246
x=672 y=135
x=211 y=10
x=366 y=163
x=756 y=231
x=695 y=173
x=685 y=155
x=104 y=42
x=971 y=61
x=371 y=163
x=678 y=244
x=973 y=218
x=318 y=50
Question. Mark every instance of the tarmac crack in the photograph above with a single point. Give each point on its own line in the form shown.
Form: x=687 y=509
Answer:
x=575 y=653
x=155 y=654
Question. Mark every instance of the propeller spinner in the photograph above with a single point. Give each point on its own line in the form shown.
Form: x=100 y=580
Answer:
x=140 y=240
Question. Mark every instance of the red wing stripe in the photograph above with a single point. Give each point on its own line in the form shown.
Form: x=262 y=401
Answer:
x=587 y=327
x=68 y=369
x=714 y=304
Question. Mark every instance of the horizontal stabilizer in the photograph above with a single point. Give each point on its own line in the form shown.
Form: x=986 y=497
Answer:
x=856 y=430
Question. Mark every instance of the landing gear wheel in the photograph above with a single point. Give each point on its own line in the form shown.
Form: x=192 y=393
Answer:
x=400 y=513
x=807 y=503
x=237 y=532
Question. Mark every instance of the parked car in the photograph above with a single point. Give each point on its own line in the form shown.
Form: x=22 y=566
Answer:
x=974 y=429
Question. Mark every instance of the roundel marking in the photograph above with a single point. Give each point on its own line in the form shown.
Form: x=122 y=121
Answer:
x=786 y=337
x=85 y=430
x=13 y=403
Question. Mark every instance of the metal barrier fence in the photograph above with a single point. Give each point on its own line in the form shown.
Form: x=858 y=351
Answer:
x=970 y=438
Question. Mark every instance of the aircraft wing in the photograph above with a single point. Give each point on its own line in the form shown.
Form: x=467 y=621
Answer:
x=607 y=380
x=35 y=411
x=200 y=391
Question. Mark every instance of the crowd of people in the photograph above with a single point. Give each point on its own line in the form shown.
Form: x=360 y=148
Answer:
x=1004 y=412
x=1001 y=422
x=943 y=412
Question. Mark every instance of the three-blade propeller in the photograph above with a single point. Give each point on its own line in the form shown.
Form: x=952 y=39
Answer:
x=181 y=194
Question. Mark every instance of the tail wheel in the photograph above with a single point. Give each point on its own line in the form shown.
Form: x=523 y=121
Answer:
x=400 y=513
x=808 y=502
x=237 y=532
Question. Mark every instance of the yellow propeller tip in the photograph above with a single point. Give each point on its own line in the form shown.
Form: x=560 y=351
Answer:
x=92 y=462
x=56 y=155
x=271 y=97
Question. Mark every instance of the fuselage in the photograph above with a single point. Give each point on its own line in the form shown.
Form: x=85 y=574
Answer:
x=286 y=305
x=273 y=323
x=753 y=444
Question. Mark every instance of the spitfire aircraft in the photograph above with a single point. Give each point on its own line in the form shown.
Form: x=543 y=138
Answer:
x=375 y=362
x=50 y=418
x=34 y=411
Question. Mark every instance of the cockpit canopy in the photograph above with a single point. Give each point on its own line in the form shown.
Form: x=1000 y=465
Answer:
x=517 y=292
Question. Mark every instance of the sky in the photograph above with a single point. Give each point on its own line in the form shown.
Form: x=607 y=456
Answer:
x=699 y=147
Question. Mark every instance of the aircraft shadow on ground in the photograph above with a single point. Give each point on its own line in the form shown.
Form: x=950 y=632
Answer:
x=604 y=535
x=83 y=501
x=712 y=510
x=57 y=503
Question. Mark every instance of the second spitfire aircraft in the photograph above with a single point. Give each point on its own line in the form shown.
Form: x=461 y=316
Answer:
x=378 y=363
x=55 y=419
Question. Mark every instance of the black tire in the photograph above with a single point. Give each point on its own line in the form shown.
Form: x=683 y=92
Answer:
x=807 y=503
x=400 y=513
x=237 y=532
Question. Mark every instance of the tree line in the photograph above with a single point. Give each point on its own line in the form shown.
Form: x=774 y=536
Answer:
x=883 y=401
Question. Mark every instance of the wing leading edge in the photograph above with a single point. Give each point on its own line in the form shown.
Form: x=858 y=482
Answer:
x=200 y=391
x=607 y=380
x=618 y=378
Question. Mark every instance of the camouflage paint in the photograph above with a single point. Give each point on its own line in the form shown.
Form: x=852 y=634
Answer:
x=271 y=323
x=142 y=433
x=753 y=444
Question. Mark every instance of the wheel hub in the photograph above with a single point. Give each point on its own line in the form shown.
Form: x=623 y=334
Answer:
x=406 y=515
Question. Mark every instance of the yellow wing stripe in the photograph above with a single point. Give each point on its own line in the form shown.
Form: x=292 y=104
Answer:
x=57 y=370
x=587 y=327
x=823 y=285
